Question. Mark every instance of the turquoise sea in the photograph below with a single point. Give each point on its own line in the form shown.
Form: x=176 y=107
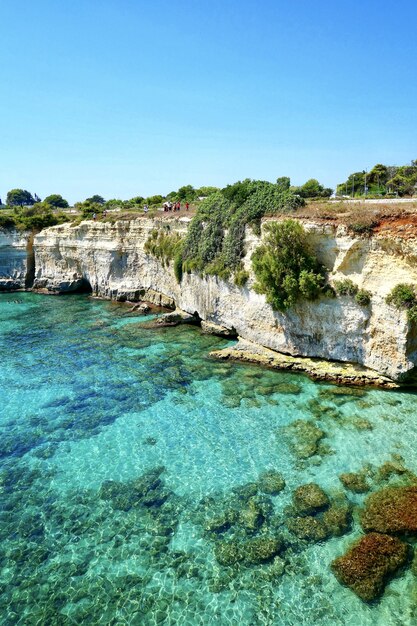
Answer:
x=129 y=458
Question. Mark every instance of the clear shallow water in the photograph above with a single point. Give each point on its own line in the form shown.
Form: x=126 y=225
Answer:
x=90 y=396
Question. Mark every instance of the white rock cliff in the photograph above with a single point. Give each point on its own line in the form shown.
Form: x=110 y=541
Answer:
x=111 y=259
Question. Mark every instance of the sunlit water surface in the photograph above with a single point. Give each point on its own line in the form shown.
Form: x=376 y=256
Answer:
x=89 y=395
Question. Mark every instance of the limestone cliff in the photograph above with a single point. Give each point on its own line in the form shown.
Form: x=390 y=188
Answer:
x=111 y=259
x=15 y=259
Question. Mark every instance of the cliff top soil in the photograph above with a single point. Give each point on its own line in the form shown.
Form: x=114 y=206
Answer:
x=390 y=217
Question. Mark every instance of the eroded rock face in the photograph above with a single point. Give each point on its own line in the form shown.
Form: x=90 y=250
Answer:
x=13 y=259
x=391 y=510
x=112 y=259
x=370 y=563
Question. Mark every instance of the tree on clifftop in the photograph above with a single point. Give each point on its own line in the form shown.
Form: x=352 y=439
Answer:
x=96 y=199
x=19 y=197
x=57 y=201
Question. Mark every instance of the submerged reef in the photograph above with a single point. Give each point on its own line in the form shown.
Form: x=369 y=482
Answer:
x=355 y=482
x=370 y=563
x=303 y=438
x=310 y=498
x=392 y=510
x=271 y=482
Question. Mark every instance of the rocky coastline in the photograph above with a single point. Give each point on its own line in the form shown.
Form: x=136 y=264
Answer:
x=331 y=338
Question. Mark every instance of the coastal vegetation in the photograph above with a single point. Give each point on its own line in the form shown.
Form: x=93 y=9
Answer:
x=164 y=245
x=382 y=180
x=215 y=239
x=285 y=269
x=403 y=296
x=347 y=287
x=40 y=215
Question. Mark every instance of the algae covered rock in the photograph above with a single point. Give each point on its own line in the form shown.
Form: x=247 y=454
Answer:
x=310 y=498
x=303 y=438
x=369 y=564
x=251 y=552
x=260 y=549
x=308 y=528
x=228 y=553
x=355 y=482
x=271 y=482
x=337 y=519
x=254 y=514
x=391 y=510
x=220 y=523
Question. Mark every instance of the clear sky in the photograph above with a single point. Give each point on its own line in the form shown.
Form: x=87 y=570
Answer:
x=137 y=97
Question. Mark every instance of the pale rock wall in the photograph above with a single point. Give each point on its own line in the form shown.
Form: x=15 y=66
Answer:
x=111 y=258
x=14 y=249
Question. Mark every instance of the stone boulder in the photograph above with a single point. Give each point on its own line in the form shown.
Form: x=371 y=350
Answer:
x=271 y=482
x=210 y=328
x=392 y=510
x=369 y=564
x=308 y=528
x=310 y=499
x=355 y=482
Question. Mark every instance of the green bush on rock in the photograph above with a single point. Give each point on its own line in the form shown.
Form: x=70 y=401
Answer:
x=216 y=236
x=403 y=296
x=285 y=269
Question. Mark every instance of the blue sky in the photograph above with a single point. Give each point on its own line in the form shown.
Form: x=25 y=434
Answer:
x=132 y=97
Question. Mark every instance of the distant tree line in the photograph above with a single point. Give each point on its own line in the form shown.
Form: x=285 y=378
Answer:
x=382 y=180
x=187 y=193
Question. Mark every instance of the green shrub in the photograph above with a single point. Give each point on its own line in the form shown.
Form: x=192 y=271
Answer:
x=178 y=267
x=345 y=287
x=363 y=297
x=7 y=221
x=412 y=314
x=241 y=277
x=164 y=246
x=285 y=269
x=402 y=296
x=216 y=236
x=363 y=226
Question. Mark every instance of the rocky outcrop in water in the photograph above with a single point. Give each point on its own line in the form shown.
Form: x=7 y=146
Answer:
x=370 y=563
x=111 y=259
x=391 y=510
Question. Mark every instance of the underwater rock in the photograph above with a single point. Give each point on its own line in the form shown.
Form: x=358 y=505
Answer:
x=228 y=552
x=254 y=514
x=147 y=490
x=245 y=492
x=308 y=528
x=150 y=441
x=260 y=549
x=338 y=519
x=251 y=517
x=303 y=438
x=355 y=482
x=391 y=510
x=273 y=571
x=414 y=564
x=221 y=523
x=310 y=498
x=335 y=392
x=369 y=564
x=271 y=482
x=251 y=552
x=395 y=467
